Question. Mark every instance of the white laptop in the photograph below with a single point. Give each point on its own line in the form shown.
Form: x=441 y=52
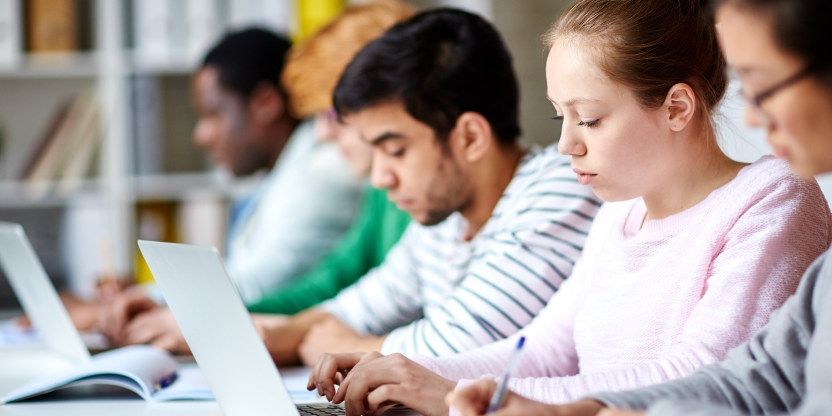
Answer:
x=220 y=332
x=38 y=297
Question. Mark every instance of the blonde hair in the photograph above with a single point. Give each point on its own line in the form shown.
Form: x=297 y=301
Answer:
x=314 y=66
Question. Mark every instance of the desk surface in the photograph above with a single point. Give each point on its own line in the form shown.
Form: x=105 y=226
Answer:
x=20 y=365
x=110 y=408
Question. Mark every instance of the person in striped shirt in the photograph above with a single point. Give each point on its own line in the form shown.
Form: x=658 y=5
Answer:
x=497 y=227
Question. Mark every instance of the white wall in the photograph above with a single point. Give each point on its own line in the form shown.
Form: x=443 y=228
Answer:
x=743 y=143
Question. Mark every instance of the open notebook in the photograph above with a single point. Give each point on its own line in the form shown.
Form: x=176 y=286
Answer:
x=141 y=369
x=151 y=373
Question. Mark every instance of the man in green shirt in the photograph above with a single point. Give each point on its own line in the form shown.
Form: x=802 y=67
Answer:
x=378 y=227
x=312 y=70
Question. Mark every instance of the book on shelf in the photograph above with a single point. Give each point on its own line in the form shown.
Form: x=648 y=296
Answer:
x=85 y=144
x=155 y=31
x=204 y=23
x=157 y=221
x=11 y=46
x=174 y=32
x=45 y=139
x=148 y=154
x=2 y=139
x=52 y=25
x=151 y=373
x=66 y=150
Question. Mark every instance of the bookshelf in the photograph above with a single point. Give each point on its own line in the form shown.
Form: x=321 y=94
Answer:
x=136 y=56
x=92 y=228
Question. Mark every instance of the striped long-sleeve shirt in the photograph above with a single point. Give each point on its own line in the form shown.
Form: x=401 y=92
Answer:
x=437 y=294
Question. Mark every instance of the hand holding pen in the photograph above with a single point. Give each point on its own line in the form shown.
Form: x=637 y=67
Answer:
x=499 y=394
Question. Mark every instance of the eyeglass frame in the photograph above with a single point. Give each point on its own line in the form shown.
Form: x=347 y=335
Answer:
x=758 y=99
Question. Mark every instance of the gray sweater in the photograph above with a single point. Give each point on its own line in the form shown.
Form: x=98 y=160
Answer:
x=786 y=368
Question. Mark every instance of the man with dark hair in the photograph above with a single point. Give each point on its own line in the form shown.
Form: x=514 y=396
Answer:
x=303 y=205
x=497 y=227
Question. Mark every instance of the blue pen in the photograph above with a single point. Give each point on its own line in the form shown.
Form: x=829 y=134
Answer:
x=166 y=381
x=500 y=393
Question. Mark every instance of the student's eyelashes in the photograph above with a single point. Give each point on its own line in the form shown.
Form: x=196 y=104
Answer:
x=589 y=123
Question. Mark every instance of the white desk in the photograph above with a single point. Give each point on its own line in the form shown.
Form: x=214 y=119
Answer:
x=110 y=408
x=20 y=365
x=116 y=406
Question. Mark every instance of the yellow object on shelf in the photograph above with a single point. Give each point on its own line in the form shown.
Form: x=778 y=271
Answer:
x=156 y=220
x=314 y=14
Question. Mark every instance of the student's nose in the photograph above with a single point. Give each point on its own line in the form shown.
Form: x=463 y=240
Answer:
x=569 y=144
x=381 y=176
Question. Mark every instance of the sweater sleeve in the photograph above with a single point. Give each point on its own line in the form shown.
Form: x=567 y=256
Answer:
x=549 y=348
x=765 y=375
x=353 y=257
x=758 y=266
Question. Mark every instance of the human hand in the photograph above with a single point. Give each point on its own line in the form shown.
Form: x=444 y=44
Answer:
x=115 y=315
x=82 y=313
x=108 y=287
x=158 y=328
x=281 y=335
x=331 y=370
x=473 y=400
x=378 y=382
x=333 y=336
x=265 y=324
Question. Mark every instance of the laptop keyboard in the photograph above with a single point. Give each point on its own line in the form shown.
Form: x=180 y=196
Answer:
x=320 y=410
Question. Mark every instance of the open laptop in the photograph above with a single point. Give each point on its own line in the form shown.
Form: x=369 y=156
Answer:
x=220 y=332
x=38 y=297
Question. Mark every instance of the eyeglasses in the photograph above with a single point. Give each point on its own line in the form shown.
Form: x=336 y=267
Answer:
x=756 y=101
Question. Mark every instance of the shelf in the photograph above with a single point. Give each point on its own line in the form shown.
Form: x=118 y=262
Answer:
x=86 y=65
x=168 y=66
x=179 y=186
x=182 y=186
x=17 y=194
x=54 y=65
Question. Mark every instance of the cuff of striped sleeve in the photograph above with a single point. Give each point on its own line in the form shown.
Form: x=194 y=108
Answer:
x=332 y=307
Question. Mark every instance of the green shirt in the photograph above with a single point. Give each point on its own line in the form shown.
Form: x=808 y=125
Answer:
x=377 y=228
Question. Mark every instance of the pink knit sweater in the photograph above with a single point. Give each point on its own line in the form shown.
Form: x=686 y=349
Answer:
x=652 y=304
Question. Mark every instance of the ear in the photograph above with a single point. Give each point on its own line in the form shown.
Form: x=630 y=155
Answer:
x=681 y=106
x=472 y=136
x=265 y=105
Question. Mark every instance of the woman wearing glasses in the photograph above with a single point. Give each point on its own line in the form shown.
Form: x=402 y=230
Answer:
x=782 y=52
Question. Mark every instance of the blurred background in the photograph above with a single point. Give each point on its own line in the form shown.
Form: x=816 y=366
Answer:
x=95 y=119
